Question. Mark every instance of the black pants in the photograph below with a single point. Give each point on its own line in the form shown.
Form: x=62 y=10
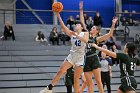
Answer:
x=106 y=80
x=9 y=35
x=69 y=88
x=54 y=39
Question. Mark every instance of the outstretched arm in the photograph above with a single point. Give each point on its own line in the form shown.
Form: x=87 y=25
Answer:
x=110 y=53
x=108 y=35
x=82 y=15
x=65 y=29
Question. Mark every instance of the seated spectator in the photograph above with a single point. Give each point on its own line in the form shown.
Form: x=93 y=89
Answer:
x=63 y=36
x=8 y=31
x=77 y=20
x=89 y=23
x=54 y=36
x=40 y=37
x=70 y=23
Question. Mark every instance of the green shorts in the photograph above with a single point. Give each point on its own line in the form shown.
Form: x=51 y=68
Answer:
x=69 y=80
x=91 y=63
x=128 y=84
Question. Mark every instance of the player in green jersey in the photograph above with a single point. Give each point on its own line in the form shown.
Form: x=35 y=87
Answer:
x=92 y=65
x=127 y=63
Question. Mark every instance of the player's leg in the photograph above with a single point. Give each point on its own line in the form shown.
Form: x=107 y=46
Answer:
x=84 y=83
x=77 y=73
x=97 y=76
x=88 y=76
x=69 y=88
x=66 y=65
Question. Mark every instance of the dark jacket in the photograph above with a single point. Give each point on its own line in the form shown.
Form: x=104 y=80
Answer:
x=9 y=32
x=97 y=21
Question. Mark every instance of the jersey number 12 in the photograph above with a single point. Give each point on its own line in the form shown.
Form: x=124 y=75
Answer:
x=78 y=43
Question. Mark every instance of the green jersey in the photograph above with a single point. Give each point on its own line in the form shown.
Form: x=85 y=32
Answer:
x=69 y=77
x=70 y=72
x=90 y=50
x=127 y=64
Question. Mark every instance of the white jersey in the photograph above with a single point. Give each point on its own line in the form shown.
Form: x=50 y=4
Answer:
x=77 y=45
x=77 y=52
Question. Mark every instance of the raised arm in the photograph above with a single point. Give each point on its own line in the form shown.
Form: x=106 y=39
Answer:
x=110 y=53
x=108 y=35
x=82 y=15
x=65 y=29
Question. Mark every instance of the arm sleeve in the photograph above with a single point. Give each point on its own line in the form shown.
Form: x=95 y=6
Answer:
x=122 y=57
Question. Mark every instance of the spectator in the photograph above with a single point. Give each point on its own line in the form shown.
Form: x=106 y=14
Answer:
x=70 y=23
x=106 y=72
x=40 y=37
x=110 y=42
x=77 y=20
x=85 y=18
x=54 y=36
x=63 y=36
x=98 y=20
x=8 y=31
x=89 y=23
x=114 y=60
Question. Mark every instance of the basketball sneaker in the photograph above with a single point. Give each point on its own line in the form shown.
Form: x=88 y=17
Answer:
x=45 y=90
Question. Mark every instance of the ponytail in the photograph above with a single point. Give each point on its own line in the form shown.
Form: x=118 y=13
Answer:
x=131 y=49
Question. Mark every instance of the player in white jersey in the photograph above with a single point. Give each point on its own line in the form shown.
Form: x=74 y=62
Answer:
x=77 y=52
x=76 y=56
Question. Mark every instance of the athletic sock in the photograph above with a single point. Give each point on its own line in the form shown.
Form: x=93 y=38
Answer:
x=50 y=86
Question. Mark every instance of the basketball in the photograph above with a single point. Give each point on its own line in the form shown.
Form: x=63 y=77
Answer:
x=57 y=7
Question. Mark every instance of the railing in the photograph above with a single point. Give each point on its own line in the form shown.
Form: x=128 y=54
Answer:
x=25 y=16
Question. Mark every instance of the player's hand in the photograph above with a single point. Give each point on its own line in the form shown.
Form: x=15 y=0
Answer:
x=81 y=5
x=115 y=19
x=56 y=13
x=94 y=45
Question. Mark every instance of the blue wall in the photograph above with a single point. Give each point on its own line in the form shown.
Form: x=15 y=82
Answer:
x=131 y=5
x=105 y=7
x=28 y=17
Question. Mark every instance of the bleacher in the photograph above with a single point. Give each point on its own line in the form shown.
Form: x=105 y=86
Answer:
x=27 y=66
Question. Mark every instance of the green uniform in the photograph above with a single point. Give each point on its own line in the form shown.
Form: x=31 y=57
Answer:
x=127 y=65
x=91 y=59
x=69 y=77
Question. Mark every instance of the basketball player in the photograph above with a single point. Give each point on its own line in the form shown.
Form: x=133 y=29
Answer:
x=76 y=56
x=92 y=65
x=127 y=63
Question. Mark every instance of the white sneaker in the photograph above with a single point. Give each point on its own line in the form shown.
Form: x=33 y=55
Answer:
x=45 y=91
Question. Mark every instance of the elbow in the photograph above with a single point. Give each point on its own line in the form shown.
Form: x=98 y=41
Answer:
x=86 y=41
x=110 y=34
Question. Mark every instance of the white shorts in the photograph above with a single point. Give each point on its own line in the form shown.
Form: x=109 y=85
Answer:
x=76 y=59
